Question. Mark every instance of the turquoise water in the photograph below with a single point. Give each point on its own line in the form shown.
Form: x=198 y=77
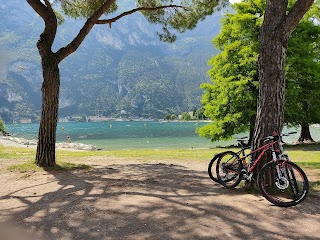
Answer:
x=134 y=135
x=122 y=134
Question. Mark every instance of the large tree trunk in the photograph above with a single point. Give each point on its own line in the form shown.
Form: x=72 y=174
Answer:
x=275 y=31
x=45 y=156
x=305 y=135
x=269 y=117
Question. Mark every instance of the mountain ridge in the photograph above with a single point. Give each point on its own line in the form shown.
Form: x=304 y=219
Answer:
x=122 y=68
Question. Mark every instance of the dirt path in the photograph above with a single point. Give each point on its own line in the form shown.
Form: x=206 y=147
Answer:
x=135 y=200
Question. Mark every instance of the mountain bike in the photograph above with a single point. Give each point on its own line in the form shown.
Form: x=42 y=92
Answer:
x=280 y=181
x=242 y=142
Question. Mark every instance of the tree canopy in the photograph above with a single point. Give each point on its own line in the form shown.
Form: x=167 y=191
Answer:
x=231 y=100
x=303 y=75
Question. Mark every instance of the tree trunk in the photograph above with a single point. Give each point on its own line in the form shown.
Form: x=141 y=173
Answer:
x=270 y=107
x=305 y=135
x=45 y=156
x=251 y=131
x=271 y=86
x=275 y=31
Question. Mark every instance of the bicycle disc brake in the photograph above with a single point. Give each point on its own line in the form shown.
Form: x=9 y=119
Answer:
x=282 y=183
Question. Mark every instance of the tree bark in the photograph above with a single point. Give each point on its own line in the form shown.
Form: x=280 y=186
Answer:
x=45 y=156
x=305 y=135
x=251 y=131
x=275 y=31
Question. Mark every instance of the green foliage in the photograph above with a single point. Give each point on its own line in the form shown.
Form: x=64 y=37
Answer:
x=231 y=100
x=180 y=19
x=199 y=114
x=184 y=16
x=2 y=126
x=170 y=116
x=186 y=116
x=84 y=9
x=303 y=74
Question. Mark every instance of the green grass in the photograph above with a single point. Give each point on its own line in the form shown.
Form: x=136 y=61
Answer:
x=16 y=153
x=60 y=166
x=308 y=156
x=304 y=155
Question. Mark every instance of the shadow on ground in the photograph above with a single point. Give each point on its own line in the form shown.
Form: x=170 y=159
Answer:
x=149 y=201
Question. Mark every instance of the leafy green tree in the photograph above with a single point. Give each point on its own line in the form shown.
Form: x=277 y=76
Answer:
x=186 y=116
x=169 y=116
x=239 y=44
x=164 y=12
x=2 y=127
x=199 y=113
x=303 y=78
x=230 y=101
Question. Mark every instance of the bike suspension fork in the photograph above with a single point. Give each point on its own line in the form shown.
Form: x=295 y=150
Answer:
x=274 y=158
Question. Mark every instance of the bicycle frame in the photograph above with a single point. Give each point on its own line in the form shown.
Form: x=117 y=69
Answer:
x=264 y=148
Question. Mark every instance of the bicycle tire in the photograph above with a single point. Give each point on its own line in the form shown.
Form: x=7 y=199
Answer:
x=212 y=168
x=290 y=190
x=228 y=169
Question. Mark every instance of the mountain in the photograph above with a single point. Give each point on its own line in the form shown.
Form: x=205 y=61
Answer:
x=125 y=67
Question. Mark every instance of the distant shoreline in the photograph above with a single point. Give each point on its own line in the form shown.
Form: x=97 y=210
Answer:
x=119 y=120
x=21 y=142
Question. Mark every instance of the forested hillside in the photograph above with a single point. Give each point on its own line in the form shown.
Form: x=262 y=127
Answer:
x=125 y=67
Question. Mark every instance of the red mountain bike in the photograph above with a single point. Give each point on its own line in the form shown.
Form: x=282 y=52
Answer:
x=280 y=181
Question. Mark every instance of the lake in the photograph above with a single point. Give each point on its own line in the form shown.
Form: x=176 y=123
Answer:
x=135 y=134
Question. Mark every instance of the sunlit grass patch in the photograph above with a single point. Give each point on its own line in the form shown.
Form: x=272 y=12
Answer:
x=30 y=166
x=151 y=154
x=313 y=165
x=25 y=167
x=16 y=152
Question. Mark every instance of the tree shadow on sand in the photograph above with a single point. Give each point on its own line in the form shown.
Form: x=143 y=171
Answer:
x=149 y=201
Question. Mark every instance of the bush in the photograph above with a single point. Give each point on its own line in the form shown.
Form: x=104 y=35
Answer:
x=2 y=127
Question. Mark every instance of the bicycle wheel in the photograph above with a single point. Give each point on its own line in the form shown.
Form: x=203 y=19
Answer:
x=228 y=169
x=212 y=168
x=283 y=183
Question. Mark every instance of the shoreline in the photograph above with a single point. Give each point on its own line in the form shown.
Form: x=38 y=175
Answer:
x=21 y=142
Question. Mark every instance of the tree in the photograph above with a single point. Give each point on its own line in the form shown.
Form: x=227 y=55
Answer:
x=165 y=12
x=199 y=113
x=186 y=116
x=303 y=78
x=230 y=101
x=2 y=127
x=235 y=72
x=279 y=22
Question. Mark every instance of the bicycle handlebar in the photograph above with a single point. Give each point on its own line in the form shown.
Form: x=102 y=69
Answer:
x=287 y=134
x=276 y=137
x=241 y=139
